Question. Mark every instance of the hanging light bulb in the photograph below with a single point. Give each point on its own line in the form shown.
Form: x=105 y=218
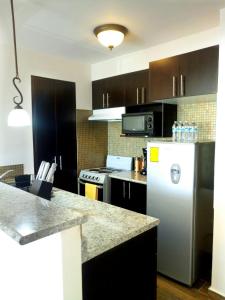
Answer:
x=18 y=117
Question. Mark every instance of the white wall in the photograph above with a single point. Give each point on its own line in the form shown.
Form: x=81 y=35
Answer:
x=16 y=144
x=218 y=271
x=140 y=60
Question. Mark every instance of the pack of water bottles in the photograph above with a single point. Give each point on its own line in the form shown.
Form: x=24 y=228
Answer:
x=184 y=132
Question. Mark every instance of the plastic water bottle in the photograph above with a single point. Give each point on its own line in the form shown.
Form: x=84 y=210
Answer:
x=195 y=132
x=179 y=127
x=174 y=131
x=182 y=133
x=190 y=132
x=186 y=132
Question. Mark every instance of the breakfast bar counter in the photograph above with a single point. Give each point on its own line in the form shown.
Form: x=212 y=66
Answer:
x=107 y=226
x=108 y=252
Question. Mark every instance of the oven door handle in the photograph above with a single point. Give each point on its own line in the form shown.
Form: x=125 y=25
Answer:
x=98 y=186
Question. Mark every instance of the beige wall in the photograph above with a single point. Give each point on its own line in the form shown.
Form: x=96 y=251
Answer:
x=204 y=114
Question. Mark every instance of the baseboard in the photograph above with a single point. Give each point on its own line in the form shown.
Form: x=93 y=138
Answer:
x=216 y=292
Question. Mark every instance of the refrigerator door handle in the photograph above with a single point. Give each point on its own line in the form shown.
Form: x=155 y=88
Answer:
x=175 y=173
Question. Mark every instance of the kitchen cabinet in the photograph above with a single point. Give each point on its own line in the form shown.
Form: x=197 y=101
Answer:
x=127 y=271
x=107 y=93
x=54 y=128
x=123 y=90
x=136 y=88
x=190 y=74
x=129 y=195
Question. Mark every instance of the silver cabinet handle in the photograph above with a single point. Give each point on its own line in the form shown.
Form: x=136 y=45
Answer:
x=143 y=95
x=174 y=86
x=182 y=85
x=137 y=95
x=107 y=99
x=129 y=191
x=124 y=192
x=60 y=162
x=103 y=100
x=55 y=159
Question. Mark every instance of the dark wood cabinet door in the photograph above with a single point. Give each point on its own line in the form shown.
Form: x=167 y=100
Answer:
x=66 y=177
x=99 y=94
x=136 y=88
x=129 y=195
x=138 y=196
x=54 y=128
x=163 y=78
x=118 y=192
x=198 y=74
x=43 y=118
x=114 y=95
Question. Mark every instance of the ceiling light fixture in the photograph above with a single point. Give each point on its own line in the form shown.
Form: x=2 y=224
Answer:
x=18 y=117
x=110 y=35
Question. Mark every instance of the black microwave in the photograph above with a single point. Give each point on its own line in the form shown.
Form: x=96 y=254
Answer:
x=143 y=123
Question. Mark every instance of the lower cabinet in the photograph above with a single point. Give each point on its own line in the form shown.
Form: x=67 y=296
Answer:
x=129 y=195
x=127 y=271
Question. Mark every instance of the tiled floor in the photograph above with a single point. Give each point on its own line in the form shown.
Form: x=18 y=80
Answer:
x=170 y=290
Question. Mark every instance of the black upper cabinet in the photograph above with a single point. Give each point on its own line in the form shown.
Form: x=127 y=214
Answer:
x=54 y=128
x=99 y=94
x=199 y=72
x=190 y=74
x=123 y=90
x=136 y=87
x=108 y=92
x=114 y=95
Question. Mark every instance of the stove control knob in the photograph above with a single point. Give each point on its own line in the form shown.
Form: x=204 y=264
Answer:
x=89 y=177
x=93 y=178
x=97 y=178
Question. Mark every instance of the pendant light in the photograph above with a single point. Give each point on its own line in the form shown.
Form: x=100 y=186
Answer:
x=18 y=117
x=110 y=35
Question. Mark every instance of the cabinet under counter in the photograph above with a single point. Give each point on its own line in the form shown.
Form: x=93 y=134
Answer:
x=129 y=191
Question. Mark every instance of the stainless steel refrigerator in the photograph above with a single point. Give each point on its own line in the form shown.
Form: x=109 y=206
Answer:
x=180 y=193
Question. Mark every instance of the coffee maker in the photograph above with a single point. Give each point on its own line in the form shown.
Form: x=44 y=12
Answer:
x=144 y=169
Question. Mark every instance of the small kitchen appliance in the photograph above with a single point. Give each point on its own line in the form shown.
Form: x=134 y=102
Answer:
x=142 y=123
x=144 y=167
x=100 y=176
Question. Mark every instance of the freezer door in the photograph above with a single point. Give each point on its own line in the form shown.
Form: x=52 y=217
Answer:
x=170 y=197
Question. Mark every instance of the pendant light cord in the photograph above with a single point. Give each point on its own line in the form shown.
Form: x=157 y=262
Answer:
x=16 y=62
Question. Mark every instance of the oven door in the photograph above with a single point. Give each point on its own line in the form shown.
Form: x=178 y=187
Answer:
x=81 y=188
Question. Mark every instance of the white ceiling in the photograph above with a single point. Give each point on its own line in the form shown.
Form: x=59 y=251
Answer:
x=65 y=27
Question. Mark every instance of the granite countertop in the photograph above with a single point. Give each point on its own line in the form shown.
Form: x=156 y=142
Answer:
x=27 y=218
x=107 y=225
x=130 y=176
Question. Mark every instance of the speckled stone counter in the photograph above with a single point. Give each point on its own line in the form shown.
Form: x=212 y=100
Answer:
x=27 y=218
x=107 y=225
x=130 y=176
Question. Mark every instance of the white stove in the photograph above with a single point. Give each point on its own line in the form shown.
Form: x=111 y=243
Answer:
x=100 y=176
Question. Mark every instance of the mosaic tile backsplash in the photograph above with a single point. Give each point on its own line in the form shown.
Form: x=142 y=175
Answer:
x=204 y=114
x=92 y=141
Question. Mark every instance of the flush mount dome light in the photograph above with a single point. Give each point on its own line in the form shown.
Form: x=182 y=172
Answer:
x=110 y=35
